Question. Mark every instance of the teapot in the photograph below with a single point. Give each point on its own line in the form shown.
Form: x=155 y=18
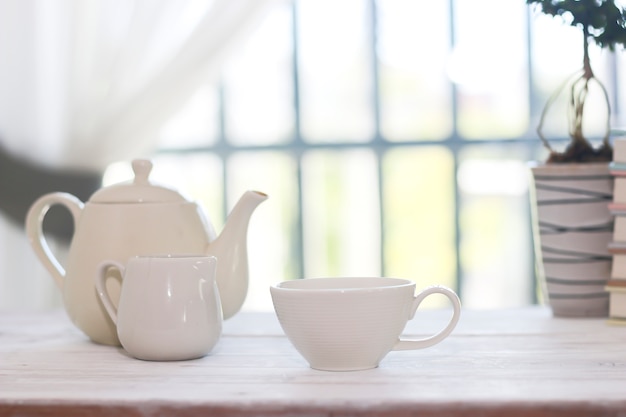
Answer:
x=132 y=219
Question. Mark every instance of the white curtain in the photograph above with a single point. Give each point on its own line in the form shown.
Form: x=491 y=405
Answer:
x=84 y=83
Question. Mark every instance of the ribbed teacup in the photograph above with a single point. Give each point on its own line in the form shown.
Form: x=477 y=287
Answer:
x=347 y=324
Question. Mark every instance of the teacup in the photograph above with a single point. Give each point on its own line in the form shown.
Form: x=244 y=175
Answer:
x=169 y=307
x=348 y=324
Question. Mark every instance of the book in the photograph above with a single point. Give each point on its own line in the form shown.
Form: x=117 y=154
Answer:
x=616 y=321
x=617 y=283
x=618 y=265
x=616 y=286
x=617 y=168
x=619 y=229
x=619 y=150
x=617 y=247
x=619 y=188
x=617 y=298
x=617 y=209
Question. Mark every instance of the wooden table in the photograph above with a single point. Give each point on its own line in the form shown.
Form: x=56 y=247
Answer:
x=509 y=363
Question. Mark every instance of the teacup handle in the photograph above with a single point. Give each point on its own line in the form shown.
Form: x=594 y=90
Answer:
x=410 y=344
x=102 y=289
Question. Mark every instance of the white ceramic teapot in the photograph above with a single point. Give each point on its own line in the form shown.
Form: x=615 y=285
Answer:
x=132 y=219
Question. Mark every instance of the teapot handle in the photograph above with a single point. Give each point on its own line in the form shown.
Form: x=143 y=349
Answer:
x=34 y=231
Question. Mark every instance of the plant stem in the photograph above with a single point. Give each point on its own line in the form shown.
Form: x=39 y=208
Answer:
x=586 y=62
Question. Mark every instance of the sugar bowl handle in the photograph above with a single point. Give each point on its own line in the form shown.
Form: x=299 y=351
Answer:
x=102 y=289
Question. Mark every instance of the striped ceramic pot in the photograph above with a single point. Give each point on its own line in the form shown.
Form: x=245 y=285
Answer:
x=572 y=229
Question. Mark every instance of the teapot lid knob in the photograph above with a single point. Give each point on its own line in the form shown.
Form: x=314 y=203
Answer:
x=142 y=168
x=139 y=190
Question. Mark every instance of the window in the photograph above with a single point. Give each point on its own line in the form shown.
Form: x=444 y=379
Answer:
x=392 y=137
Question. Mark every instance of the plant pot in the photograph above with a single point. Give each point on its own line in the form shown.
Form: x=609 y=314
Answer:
x=572 y=228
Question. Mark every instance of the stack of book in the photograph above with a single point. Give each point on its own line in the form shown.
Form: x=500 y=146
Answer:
x=617 y=284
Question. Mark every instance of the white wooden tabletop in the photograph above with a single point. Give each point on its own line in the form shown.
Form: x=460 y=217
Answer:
x=511 y=362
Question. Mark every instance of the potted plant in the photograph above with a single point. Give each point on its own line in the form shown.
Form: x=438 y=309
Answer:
x=571 y=190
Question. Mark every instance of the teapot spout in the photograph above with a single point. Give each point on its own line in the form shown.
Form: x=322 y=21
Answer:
x=230 y=249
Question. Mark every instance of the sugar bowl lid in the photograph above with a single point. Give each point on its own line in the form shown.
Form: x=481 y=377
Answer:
x=139 y=190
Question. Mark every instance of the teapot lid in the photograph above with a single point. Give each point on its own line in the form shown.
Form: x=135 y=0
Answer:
x=139 y=190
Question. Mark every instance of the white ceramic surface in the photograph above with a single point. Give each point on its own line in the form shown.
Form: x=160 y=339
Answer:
x=132 y=219
x=347 y=324
x=573 y=227
x=169 y=307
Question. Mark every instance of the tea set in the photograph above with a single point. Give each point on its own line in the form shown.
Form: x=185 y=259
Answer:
x=146 y=271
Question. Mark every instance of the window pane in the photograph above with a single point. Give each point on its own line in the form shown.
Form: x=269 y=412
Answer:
x=196 y=124
x=557 y=57
x=335 y=70
x=620 y=92
x=198 y=176
x=272 y=234
x=495 y=228
x=554 y=52
x=258 y=84
x=338 y=227
x=488 y=65
x=341 y=213
x=415 y=92
x=419 y=217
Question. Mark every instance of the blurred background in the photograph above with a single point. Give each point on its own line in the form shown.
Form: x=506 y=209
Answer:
x=392 y=136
